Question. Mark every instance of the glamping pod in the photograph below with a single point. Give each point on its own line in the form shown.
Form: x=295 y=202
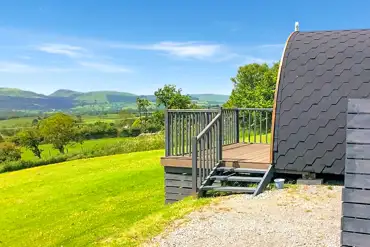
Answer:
x=227 y=150
x=318 y=72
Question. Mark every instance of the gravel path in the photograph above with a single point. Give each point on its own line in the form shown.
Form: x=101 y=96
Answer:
x=296 y=216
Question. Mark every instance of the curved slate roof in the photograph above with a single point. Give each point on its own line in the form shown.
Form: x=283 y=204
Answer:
x=319 y=71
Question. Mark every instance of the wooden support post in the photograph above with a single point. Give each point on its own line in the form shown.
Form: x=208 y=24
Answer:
x=221 y=135
x=194 y=165
x=237 y=125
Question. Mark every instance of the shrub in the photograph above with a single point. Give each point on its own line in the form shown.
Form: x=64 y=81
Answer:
x=98 y=130
x=9 y=152
x=128 y=145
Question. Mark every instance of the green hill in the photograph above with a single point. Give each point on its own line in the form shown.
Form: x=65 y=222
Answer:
x=15 y=92
x=65 y=93
x=102 y=97
x=219 y=98
x=12 y=99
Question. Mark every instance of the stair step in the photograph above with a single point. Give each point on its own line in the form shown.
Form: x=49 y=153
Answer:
x=230 y=189
x=237 y=179
x=242 y=170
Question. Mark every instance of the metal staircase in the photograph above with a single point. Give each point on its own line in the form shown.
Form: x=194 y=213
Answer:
x=209 y=172
x=238 y=180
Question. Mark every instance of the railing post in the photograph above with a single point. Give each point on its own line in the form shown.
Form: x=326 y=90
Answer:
x=236 y=125
x=194 y=166
x=167 y=133
x=221 y=135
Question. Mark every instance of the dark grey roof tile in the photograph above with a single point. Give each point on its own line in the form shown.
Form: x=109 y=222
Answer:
x=313 y=96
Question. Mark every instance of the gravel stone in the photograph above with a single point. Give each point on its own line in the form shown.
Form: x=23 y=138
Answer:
x=296 y=216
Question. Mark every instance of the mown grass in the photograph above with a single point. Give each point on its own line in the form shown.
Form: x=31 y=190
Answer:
x=107 y=201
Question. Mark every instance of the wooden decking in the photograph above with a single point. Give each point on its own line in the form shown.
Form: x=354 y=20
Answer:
x=238 y=155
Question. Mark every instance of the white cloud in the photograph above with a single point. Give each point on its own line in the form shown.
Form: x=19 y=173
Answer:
x=188 y=49
x=195 y=50
x=106 y=68
x=14 y=67
x=63 y=49
x=11 y=67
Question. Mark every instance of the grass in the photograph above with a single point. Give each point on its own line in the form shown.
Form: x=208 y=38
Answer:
x=27 y=121
x=259 y=138
x=90 y=149
x=106 y=201
x=16 y=122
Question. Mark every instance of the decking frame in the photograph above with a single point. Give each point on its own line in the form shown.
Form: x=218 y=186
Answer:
x=221 y=137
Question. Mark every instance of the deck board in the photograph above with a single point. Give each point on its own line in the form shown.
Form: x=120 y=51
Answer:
x=235 y=155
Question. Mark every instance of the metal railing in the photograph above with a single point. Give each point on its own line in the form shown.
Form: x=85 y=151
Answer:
x=207 y=152
x=239 y=125
x=181 y=126
x=254 y=125
x=230 y=121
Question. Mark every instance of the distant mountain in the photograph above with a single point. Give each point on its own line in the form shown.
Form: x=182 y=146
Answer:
x=12 y=99
x=15 y=92
x=103 y=97
x=218 y=98
x=65 y=93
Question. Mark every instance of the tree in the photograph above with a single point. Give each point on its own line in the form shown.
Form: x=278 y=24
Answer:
x=79 y=118
x=254 y=86
x=9 y=152
x=170 y=97
x=31 y=139
x=35 y=122
x=126 y=118
x=59 y=130
x=142 y=106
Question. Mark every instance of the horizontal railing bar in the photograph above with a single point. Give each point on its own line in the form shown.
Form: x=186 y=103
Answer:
x=205 y=130
x=254 y=109
x=192 y=110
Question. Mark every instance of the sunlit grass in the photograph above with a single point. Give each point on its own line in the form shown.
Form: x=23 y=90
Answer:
x=112 y=200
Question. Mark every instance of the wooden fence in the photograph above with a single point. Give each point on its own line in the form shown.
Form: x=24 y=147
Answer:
x=356 y=193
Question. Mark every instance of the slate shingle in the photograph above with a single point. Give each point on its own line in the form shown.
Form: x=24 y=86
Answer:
x=319 y=71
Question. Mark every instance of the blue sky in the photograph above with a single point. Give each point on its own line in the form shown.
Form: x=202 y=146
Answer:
x=138 y=46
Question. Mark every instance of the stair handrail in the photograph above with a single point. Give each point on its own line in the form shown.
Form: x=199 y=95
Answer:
x=207 y=152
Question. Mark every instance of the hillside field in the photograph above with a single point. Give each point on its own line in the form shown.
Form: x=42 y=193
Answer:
x=49 y=151
x=87 y=119
x=107 y=201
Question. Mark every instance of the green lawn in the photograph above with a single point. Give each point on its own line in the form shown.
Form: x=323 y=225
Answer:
x=49 y=151
x=255 y=139
x=109 y=118
x=16 y=122
x=113 y=200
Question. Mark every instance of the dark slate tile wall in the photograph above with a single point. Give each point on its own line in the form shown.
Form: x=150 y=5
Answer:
x=320 y=70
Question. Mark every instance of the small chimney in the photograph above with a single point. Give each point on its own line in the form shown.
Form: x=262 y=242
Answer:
x=296 y=26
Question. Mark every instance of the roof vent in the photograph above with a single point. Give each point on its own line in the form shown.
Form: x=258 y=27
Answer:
x=296 y=26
